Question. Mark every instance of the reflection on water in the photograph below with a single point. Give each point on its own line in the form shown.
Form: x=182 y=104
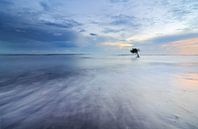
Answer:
x=82 y=92
x=188 y=79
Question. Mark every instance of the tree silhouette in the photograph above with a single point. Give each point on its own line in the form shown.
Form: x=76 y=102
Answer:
x=135 y=51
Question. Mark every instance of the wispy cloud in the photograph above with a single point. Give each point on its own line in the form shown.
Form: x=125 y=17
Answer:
x=125 y=20
x=118 y=1
x=45 y=6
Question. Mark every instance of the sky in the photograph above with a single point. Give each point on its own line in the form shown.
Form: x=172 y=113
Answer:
x=99 y=26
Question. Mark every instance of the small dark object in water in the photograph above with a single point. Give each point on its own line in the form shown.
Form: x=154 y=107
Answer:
x=135 y=51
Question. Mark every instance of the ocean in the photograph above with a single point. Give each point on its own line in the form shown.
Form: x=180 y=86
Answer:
x=98 y=92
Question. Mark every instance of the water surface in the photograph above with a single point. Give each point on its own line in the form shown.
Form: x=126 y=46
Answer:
x=89 y=92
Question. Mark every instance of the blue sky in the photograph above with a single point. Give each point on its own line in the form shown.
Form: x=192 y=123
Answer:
x=103 y=26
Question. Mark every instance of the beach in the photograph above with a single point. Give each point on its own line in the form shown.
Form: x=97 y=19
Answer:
x=98 y=92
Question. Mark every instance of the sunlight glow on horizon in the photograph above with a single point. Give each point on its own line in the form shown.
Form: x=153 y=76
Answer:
x=116 y=44
x=185 y=47
x=188 y=80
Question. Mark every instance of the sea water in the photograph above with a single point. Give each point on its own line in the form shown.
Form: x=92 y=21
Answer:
x=97 y=92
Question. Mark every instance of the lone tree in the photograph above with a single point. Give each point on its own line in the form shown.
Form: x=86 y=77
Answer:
x=135 y=51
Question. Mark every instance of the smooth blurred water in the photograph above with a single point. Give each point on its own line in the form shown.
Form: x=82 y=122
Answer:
x=92 y=92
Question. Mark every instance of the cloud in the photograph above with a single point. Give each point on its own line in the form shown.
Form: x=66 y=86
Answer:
x=93 y=34
x=62 y=23
x=45 y=6
x=37 y=34
x=116 y=44
x=82 y=30
x=113 y=30
x=124 y=20
x=6 y=2
x=28 y=29
x=118 y=1
x=66 y=24
x=16 y=28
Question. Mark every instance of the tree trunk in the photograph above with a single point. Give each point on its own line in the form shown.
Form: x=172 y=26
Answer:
x=138 y=56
